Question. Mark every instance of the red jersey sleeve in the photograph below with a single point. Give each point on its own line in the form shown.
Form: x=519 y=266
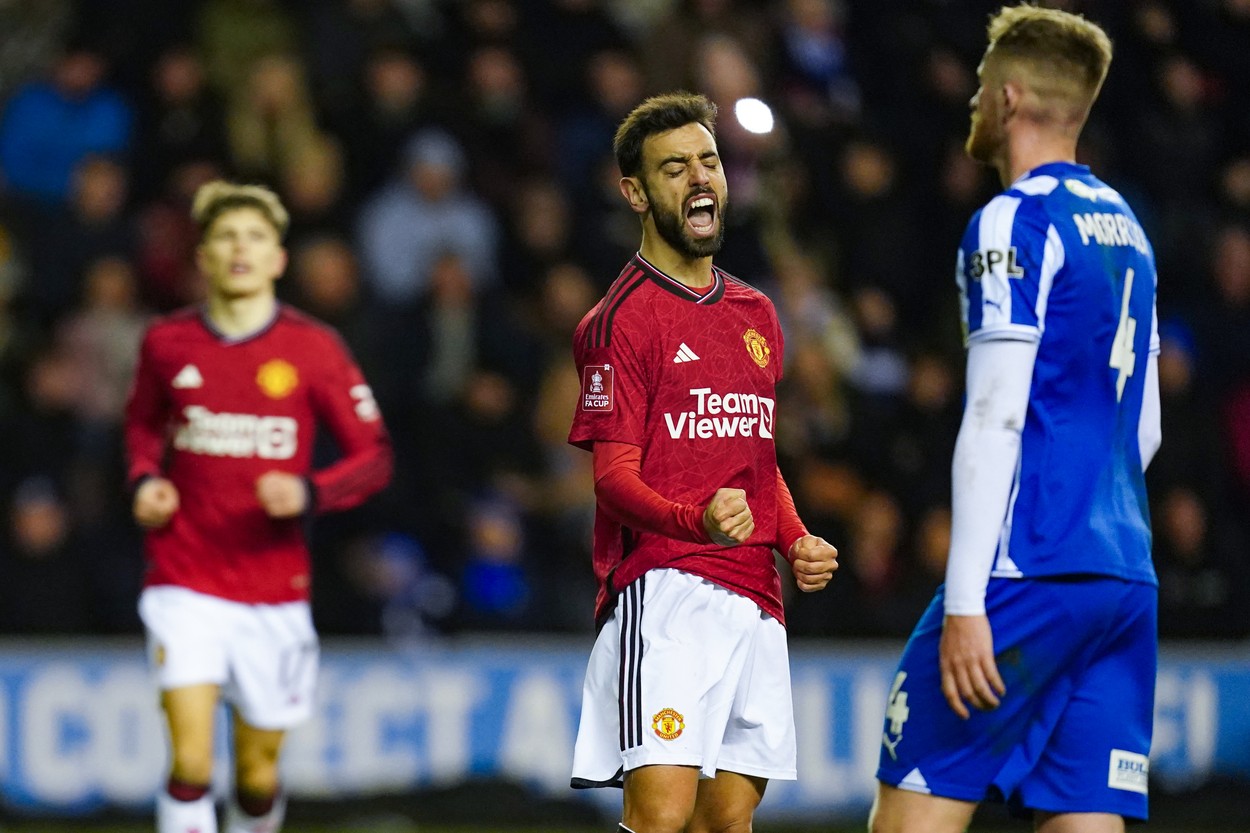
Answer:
x=612 y=404
x=146 y=419
x=789 y=527
x=345 y=405
x=622 y=493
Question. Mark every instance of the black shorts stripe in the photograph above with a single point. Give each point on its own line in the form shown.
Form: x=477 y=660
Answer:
x=601 y=326
x=630 y=672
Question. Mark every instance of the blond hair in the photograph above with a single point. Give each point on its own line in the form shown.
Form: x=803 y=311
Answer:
x=217 y=197
x=1061 y=56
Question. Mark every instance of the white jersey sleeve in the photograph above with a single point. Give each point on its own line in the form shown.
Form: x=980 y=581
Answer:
x=987 y=453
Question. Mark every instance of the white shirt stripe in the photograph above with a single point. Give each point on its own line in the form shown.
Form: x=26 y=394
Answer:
x=995 y=233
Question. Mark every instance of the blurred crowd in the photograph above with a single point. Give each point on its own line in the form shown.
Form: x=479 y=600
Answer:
x=448 y=168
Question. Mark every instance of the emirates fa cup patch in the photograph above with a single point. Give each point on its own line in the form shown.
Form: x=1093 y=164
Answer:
x=597 y=387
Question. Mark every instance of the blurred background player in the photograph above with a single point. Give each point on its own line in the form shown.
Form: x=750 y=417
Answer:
x=1046 y=625
x=687 y=696
x=220 y=429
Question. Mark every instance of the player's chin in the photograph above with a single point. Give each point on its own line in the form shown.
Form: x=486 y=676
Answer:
x=704 y=243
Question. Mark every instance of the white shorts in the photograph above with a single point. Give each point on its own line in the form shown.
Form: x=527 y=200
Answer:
x=264 y=657
x=687 y=673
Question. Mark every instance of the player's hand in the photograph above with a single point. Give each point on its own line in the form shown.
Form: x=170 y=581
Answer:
x=966 y=658
x=813 y=560
x=727 y=518
x=156 y=501
x=281 y=494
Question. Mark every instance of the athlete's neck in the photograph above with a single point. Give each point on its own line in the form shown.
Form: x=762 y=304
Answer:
x=695 y=273
x=1030 y=150
x=242 y=316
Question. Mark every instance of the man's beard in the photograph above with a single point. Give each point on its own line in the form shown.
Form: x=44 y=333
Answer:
x=981 y=145
x=672 y=228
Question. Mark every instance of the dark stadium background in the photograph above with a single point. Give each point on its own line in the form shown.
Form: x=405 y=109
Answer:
x=847 y=213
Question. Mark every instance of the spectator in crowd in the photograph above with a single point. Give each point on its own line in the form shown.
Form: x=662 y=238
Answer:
x=270 y=120
x=19 y=335
x=315 y=191
x=669 y=63
x=101 y=339
x=167 y=239
x=582 y=28
x=1203 y=572
x=814 y=73
x=52 y=124
x=538 y=236
x=393 y=101
x=34 y=32
x=503 y=132
x=425 y=211
x=45 y=588
x=233 y=35
x=615 y=83
x=65 y=239
x=338 y=39
x=1178 y=142
x=180 y=119
x=1223 y=322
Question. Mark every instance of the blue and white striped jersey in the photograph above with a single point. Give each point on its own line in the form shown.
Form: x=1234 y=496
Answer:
x=1060 y=259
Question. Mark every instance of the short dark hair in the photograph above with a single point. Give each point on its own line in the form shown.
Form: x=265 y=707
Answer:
x=659 y=114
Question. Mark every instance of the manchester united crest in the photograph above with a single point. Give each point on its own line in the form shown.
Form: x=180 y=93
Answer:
x=757 y=346
x=668 y=724
x=277 y=378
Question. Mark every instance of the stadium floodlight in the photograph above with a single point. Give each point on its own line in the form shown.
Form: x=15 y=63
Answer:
x=754 y=115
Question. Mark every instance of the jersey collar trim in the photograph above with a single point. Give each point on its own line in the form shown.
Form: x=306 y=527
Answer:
x=229 y=340
x=1052 y=169
x=676 y=287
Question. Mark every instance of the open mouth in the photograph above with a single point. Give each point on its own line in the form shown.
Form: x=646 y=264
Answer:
x=701 y=215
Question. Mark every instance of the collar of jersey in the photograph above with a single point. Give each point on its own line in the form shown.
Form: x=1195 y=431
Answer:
x=1051 y=169
x=676 y=287
x=225 y=339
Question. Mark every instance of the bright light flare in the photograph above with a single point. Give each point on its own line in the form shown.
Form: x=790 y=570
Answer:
x=754 y=115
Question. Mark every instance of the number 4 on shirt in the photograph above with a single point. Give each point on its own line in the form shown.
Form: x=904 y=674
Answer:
x=1123 y=358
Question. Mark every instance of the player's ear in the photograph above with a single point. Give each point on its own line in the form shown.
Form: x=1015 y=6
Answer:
x=1010 y=96
x=634 y=194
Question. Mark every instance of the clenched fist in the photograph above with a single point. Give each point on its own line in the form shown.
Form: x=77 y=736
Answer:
x=727 y=518
x=812 y=560
x=281 y=495
x=156 y=501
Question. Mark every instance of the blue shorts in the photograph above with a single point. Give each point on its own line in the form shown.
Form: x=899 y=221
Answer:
x=1078 y=656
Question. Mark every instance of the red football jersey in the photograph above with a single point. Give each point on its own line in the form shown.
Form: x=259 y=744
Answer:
x=213 y=414
x=690 y=378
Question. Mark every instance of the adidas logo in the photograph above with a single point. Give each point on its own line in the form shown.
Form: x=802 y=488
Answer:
x=188 y=377
x=684 y=354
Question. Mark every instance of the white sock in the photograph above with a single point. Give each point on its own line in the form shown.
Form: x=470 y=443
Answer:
x=238 y=821
x=174 y=816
